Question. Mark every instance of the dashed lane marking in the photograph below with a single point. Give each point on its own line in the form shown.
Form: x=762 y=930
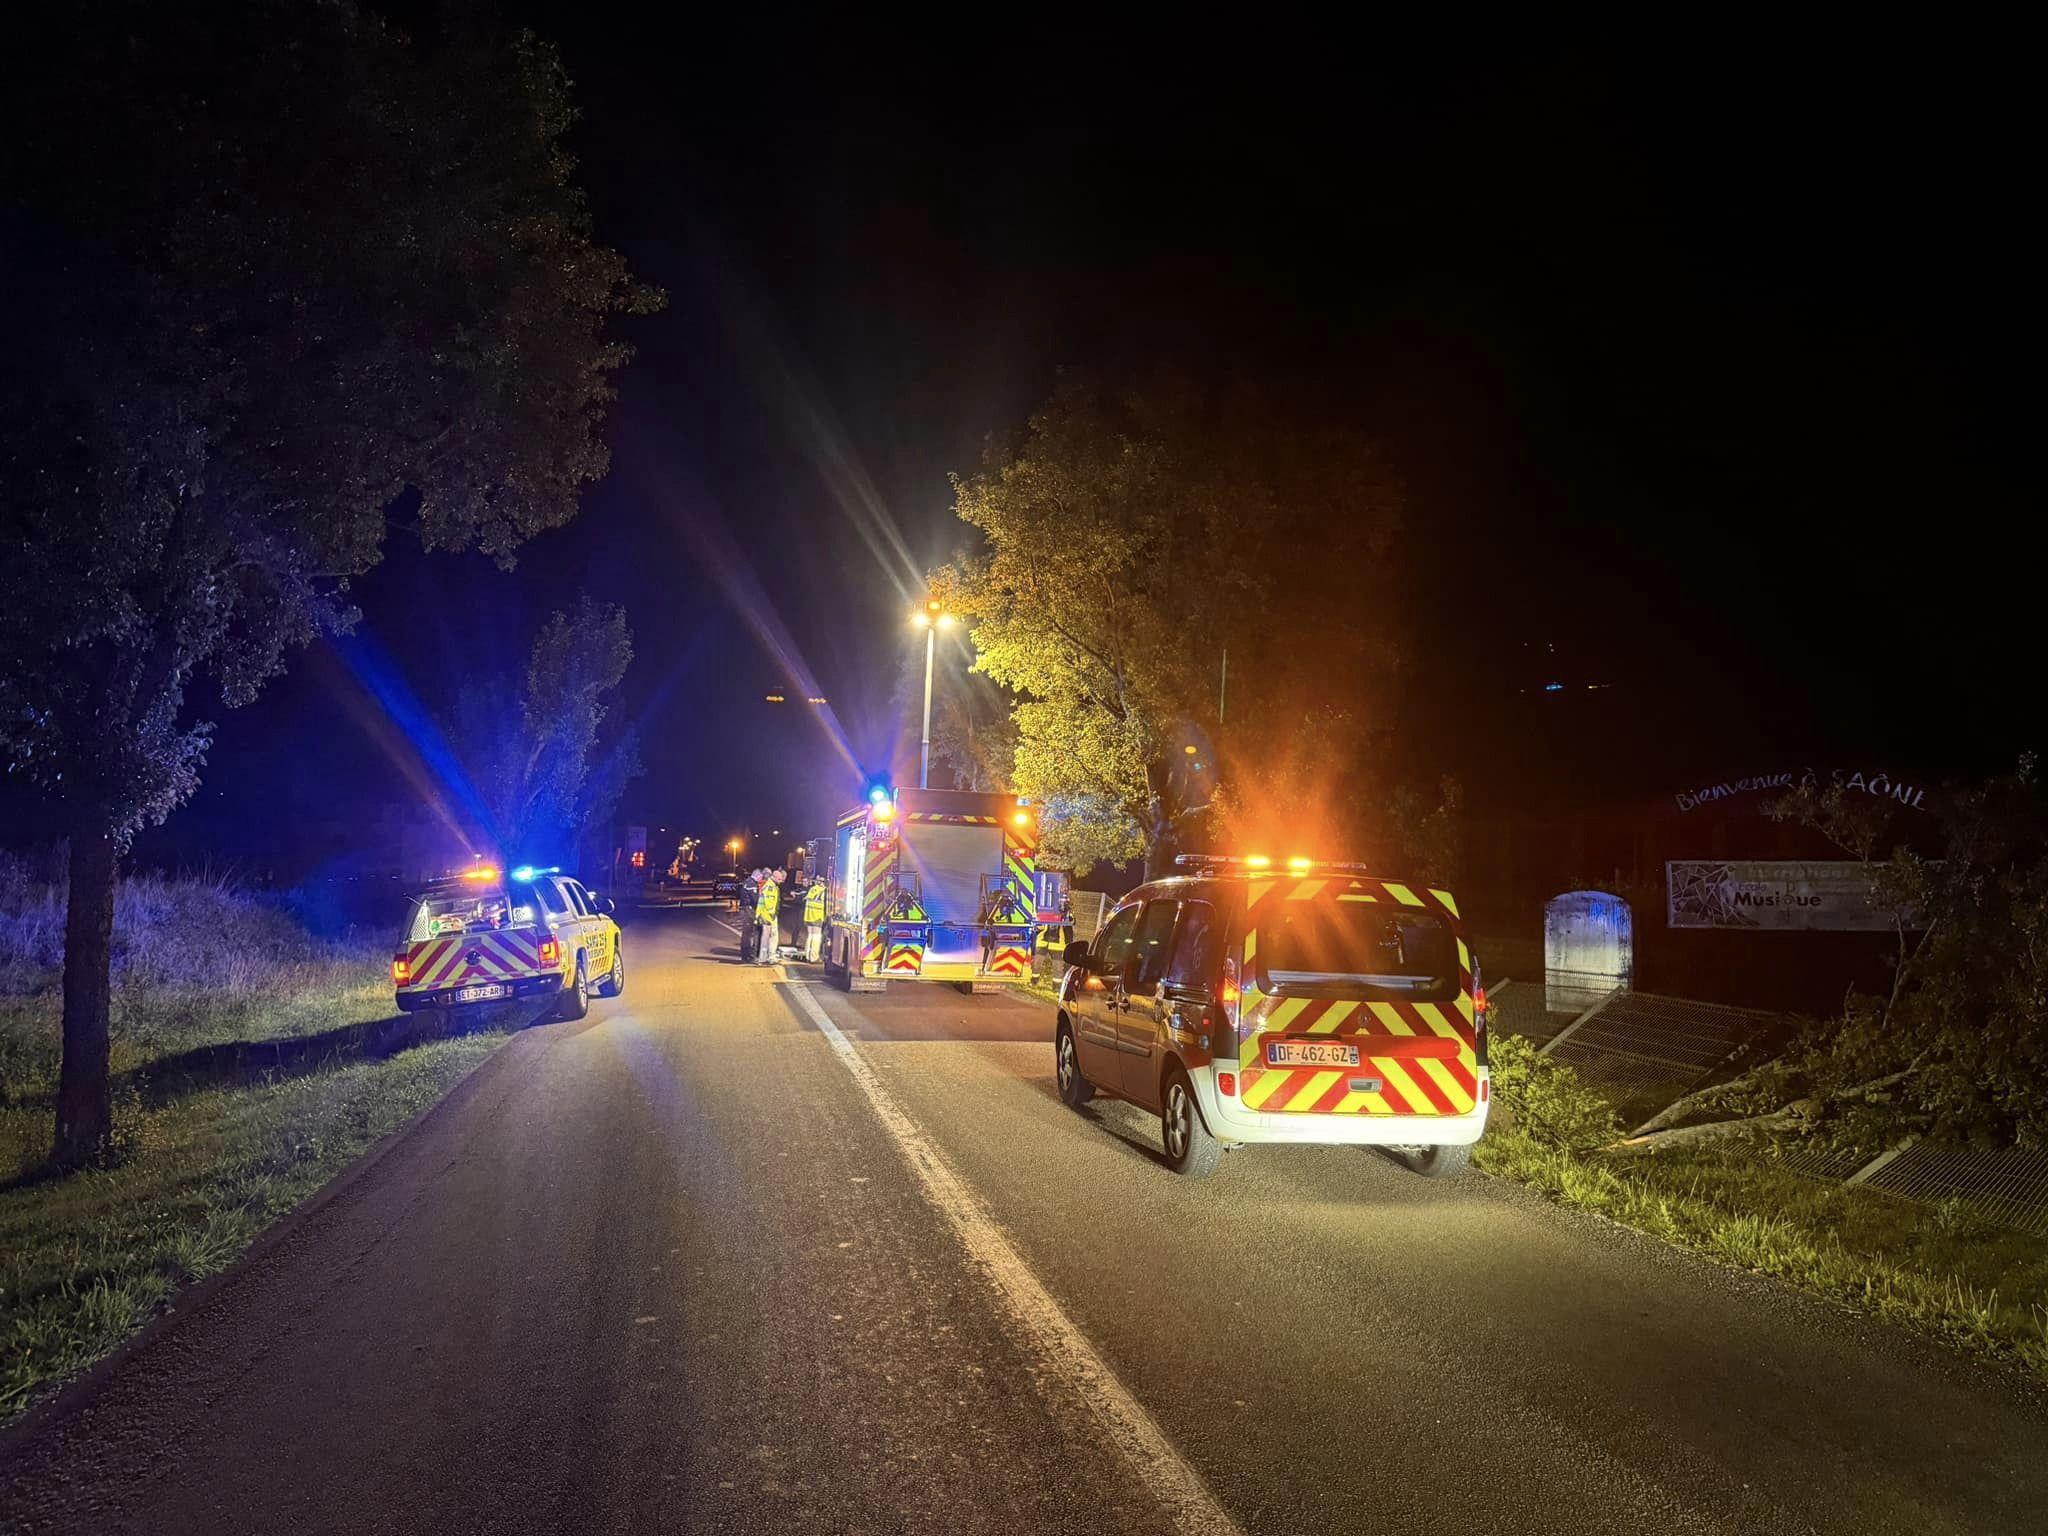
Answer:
x=1062 y=1348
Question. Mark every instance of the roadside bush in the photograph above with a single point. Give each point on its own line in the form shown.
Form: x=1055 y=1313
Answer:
x=1545 y=1100
x=196 y=961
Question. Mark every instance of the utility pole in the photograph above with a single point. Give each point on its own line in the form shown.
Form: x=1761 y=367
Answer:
x=1222 y=686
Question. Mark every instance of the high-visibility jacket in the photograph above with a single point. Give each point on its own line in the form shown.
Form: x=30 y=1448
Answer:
x=814 y=902
x=769 y=902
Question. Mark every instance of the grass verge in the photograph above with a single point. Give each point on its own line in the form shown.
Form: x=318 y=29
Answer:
x=1941 y=1270
x=252 y=1062
x=86 y=1260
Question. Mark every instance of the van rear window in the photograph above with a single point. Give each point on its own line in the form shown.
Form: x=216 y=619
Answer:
x=1359 y=949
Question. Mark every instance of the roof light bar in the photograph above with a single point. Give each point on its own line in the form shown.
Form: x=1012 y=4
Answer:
x=527 y=872
x=1255 y=861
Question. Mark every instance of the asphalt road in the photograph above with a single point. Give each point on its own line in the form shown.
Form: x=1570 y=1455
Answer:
x=742 y=1254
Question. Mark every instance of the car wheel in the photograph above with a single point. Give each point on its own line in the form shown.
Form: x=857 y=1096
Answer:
x=1075 y=1090
x=615 y=979
x=1190 y=1149
x=576 y=999
x=1440 y=1162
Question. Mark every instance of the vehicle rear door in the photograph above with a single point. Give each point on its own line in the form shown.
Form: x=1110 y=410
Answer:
x=593 y=933
x=1094 y=1005
x=1140 y=1010
x=1357 y=1000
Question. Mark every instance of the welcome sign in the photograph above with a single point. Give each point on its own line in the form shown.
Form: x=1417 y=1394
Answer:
x=1833 y=897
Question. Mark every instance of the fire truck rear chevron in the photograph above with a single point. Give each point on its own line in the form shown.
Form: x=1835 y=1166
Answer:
x=934 y=885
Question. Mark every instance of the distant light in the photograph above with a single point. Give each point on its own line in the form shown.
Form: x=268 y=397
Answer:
x=1189 y=750
x=884 y=811
x=774 y=698
x=945 y=621
x=816 y=698
x=1299 y=865
x=877 y=794
x=1553 y=687
x=481 y=872
x=1022 y=818
x=1257 y=860
x=921 y=620
x=523 y=873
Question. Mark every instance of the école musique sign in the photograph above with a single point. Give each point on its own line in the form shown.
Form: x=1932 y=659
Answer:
x=1772 y=894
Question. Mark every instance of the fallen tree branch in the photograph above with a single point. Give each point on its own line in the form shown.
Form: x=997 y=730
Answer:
x=1791 y=1117
x=1685 y=1103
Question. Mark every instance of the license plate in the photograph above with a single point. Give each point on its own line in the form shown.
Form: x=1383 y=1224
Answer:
x=480 y=994
x=1310 y=1053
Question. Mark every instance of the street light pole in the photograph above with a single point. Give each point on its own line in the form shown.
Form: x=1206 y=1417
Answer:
x=924 y=753
x=931 y=618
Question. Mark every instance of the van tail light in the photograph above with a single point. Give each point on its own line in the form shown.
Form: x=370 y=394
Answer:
x=550 y=951
x=401 y=969
x=1226 y=1084
x=1229 y=1003
x=1479 y=1019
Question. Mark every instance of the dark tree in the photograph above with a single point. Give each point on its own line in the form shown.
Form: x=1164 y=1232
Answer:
x=287 y=279
x=540 y=769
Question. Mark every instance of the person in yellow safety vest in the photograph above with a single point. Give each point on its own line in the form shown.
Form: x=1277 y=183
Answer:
x=767 y=913
x=814 y=920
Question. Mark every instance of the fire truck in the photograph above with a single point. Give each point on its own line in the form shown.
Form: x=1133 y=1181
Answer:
x=933 y=885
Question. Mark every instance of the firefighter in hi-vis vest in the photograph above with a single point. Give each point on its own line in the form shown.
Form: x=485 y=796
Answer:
x=814 y=920
x=768 y=914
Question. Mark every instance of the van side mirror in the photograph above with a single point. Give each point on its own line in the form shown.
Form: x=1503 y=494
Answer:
x=1077 y=954
x=607 y=906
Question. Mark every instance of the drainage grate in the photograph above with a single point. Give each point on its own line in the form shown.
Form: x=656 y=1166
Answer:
x=2009 y=1184
x=1642 y=1040
x=1516 y=1008
x=1817 y=1162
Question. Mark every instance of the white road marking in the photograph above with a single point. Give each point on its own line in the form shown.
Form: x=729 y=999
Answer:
x=728 y=927
x=1062 y=1348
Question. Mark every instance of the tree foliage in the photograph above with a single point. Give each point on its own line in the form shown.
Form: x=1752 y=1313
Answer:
x=284 y=277
x=1958 y=1043
x=537 y=763
x=288 y=272
x=1127 y=541
x=1955 y=1048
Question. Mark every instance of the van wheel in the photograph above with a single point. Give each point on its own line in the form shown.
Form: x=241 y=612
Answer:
x=1190 y=1149
x=1075 y=1090
x=614 y=981
x=576 y=998
x=1440 y=1162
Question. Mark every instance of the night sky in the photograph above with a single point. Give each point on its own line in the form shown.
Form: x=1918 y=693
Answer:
x=1702 y=358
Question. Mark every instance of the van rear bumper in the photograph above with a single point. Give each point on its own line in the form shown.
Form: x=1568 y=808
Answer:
x=1231 y=1121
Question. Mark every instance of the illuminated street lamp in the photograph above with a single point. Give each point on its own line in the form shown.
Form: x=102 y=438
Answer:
x=732 y=847
x=931 y=619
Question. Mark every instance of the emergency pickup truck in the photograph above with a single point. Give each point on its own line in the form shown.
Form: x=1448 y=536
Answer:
x=479 y=937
